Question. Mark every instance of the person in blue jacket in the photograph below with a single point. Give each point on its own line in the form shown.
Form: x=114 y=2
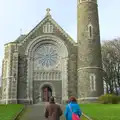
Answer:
x=72 y=106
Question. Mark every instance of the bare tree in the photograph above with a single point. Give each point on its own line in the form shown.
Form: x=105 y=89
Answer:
x=111 y=65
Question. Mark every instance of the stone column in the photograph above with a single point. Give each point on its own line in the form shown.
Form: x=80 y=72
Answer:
x=64 y=79
x=30 y=79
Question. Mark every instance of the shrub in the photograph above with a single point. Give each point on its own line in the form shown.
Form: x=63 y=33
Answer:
x=119 y=98
x=109 y=99
x=115 y=99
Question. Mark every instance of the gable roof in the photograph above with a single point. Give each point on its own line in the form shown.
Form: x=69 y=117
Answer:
x=47 y=17
x=20 y=38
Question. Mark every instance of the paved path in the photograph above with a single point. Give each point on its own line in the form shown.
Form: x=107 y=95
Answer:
x=34 y=112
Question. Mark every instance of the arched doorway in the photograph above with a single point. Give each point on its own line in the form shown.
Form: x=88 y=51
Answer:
x=46 y=93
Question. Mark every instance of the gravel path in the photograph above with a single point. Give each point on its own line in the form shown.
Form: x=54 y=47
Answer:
x=35 y=112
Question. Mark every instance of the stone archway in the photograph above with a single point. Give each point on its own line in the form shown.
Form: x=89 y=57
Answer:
x=46 y=90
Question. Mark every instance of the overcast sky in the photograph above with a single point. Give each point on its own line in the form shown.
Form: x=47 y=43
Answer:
x=25 y=14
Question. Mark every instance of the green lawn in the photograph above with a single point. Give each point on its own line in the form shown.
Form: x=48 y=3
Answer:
x=8 y=112
x=83 y=118
x=102 y=111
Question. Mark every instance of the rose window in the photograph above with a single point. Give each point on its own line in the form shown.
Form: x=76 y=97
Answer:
x=46 y=55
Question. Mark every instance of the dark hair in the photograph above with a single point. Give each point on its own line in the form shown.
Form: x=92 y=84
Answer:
x=72 y=99
x=52 y=99
x=67 y=101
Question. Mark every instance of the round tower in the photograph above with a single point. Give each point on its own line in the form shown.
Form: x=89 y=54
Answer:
x=90 y=83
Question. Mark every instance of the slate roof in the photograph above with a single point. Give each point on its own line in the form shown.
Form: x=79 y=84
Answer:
x=20 y=38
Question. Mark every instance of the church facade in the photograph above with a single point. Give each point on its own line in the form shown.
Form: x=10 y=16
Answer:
x=48 y=62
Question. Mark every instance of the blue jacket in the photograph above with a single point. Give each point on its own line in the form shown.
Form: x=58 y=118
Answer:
x=75 y=109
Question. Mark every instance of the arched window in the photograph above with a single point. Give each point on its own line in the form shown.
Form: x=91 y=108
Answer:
x=48 y=28
x=92 y=82
x=90 y=31
x=95 y=1
x=80 y=1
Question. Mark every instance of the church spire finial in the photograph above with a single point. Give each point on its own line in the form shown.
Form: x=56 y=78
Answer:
x=48 y=12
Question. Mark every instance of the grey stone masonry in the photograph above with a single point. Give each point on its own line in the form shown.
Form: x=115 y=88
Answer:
x=90 y=84
x=48 y=62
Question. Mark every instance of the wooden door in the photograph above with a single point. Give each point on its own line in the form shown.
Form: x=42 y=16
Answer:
x=45 y=94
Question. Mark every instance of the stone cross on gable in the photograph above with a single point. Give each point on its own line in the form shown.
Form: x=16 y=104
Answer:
x=48 y=12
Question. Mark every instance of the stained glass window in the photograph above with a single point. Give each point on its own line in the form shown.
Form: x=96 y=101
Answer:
x=46 y=55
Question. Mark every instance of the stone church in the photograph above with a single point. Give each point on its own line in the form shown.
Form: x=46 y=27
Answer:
x=47 y=61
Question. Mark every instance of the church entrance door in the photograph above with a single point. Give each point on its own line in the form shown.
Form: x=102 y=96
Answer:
x=47 y=93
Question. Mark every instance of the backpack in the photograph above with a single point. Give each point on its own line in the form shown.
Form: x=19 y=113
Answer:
x=74 y=116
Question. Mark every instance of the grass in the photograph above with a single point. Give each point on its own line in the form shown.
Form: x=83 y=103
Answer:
x=9 y=112
x=102 y=111
x=83 y=118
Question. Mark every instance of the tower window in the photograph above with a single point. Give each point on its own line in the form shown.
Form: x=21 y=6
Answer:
x=80 y=1
x=95 y=1
x=90 y=31
x=92 y=82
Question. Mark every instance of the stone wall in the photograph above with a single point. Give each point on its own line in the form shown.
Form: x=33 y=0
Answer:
x=71 y=60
